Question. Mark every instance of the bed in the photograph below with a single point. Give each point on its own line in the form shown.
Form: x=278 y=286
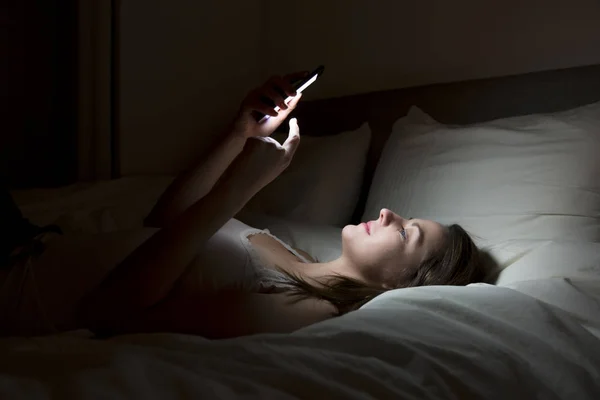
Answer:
x=513 y=159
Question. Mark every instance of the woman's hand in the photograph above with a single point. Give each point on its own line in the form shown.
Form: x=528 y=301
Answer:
x=262 y=160
x=263 y=99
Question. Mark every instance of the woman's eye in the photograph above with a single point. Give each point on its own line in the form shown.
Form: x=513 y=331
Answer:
x=403 y=233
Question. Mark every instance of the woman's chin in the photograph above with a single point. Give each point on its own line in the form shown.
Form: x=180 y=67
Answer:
x=350 y=231
x=347 y=231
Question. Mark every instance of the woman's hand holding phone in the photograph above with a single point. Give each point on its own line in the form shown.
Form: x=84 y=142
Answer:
x=263 y=100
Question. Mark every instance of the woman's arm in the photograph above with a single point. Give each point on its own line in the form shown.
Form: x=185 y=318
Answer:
x=148 y=274
x=199 y=180
x=195 y=183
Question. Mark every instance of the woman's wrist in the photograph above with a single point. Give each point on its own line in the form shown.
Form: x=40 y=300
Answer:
x=236 y=138
x=240 y=130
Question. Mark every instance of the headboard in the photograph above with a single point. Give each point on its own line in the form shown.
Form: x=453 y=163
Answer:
x=457 y=103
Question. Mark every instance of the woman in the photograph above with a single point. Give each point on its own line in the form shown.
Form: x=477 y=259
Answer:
x=197 y=270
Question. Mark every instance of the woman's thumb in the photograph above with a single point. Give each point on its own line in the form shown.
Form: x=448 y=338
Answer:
x=291 y=144
x=294 y=128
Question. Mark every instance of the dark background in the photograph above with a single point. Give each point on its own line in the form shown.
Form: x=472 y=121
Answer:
x=38 y=82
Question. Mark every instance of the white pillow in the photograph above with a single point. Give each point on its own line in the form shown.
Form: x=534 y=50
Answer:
x=323 y=182
x=322 y=242
x=530 y=178
x=552 y=259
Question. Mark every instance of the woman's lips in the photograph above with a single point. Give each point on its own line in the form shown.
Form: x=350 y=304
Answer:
x=367 y=227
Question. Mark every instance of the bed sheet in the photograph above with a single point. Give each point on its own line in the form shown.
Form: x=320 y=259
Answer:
x=438 y=342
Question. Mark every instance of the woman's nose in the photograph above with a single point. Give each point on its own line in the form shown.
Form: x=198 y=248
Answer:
x=385 y=216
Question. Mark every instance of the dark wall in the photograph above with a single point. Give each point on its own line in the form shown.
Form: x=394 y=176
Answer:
x=38 y=84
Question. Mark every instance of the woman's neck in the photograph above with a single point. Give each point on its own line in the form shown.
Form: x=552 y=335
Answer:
x=322 y=271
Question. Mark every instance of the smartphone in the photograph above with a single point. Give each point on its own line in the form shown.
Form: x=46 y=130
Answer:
x=300 y=86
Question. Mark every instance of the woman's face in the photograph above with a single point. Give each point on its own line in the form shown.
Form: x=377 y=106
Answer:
x=386 y=249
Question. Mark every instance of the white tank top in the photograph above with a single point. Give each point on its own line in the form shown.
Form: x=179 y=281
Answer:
x=230 y=261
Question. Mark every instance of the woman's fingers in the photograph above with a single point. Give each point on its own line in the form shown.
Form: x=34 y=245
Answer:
x=294 y=101
x=273 y=123
x=276 y=99
x=285 y=86
x=265 y=109
x=275 y=91
x=254 y=103
x=273 y=96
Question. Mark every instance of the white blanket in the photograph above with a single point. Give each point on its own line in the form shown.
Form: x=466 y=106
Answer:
x=479 y=341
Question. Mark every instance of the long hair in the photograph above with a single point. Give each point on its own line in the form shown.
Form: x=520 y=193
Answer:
x=457 y=264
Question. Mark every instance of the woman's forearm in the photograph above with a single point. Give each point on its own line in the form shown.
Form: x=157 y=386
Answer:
x=199 y=180
x=148 y=274
x=196 y=182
